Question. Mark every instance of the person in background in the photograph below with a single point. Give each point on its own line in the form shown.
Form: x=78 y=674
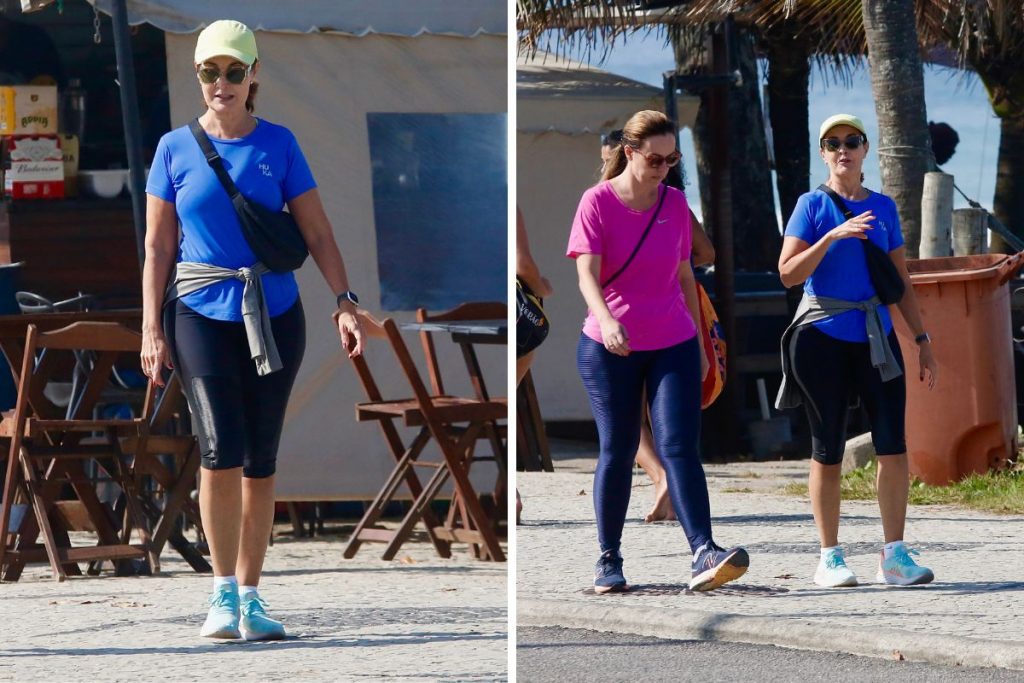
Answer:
x=237 y=405
x=842 y=343
x=629 y=237
x=529 y=277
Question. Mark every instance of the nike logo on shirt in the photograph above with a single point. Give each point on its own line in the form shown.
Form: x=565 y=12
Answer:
x=663 y=220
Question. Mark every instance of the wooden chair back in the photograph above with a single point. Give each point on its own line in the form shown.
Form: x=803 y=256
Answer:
x=476 y=310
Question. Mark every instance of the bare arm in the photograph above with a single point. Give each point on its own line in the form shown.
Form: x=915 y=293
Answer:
x=315 y=227
x=911 y=313
x=161 y=252
x=526 y=267
x=799 y=259
x=613 y=334
x=703 y=250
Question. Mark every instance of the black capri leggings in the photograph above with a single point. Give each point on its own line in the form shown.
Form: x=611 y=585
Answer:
x=829 y=372
x=236 y=414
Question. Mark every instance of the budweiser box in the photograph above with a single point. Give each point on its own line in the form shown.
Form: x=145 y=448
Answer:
x=37 y=167
x=28 y=109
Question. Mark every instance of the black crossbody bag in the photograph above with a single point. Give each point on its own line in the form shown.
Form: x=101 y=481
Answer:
x=657 y=210
x=885 y=277
x=273 y=236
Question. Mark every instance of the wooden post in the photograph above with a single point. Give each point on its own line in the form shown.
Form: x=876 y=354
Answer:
x=936 y=215
x=970 y=232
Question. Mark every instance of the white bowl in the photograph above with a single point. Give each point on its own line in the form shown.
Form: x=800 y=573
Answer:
x=106 y=184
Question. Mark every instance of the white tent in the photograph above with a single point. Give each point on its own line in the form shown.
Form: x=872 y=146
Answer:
x=328 y=68
x=562 y=107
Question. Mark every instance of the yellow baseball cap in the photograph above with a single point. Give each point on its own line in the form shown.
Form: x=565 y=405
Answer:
x=841 y=120
x=226 y=38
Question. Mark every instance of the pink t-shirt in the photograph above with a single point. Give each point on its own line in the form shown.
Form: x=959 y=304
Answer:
x=646 y=298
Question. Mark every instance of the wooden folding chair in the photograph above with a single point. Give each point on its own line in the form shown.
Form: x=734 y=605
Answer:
x=493 y=432
x=47 y=451
x=454 y=423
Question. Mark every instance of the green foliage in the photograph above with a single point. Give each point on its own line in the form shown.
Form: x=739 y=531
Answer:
x=998 y=492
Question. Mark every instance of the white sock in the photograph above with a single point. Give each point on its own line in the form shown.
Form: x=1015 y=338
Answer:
x=889 y=549
x=827 y=551
x=243 y=590
x=219 y=581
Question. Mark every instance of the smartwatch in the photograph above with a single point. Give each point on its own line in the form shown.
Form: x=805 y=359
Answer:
x=348 y=295
x=922 y=338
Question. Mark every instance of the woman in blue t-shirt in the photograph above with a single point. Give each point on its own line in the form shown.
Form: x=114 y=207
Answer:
x=237 y=404
x=848 y=347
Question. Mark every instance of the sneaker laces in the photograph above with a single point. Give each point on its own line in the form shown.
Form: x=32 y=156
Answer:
x=255 y=606
x=224 y=598
x=835 y=560
x=902 y=555
x=609 y=563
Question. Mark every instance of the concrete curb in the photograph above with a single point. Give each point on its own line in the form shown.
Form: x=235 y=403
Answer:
x=803 y=634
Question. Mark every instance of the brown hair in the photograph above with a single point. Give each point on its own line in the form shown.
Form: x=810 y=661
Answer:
x=641 y=125
x=250 y=99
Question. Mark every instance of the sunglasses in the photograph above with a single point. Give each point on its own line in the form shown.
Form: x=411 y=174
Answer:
x=234 y=75
x=851 y=142
x=656 y=160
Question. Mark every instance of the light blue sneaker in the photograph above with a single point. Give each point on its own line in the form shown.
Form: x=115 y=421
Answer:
x=256 y=625
x=222 y=619
x=832 y=570
x=901 y=570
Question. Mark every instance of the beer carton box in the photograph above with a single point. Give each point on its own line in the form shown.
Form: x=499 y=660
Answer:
x=28 y=109
x=37 y=167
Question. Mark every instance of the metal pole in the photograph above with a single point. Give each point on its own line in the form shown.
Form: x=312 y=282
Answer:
x=130 y=119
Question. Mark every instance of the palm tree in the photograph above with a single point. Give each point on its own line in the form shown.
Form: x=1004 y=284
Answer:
x=897 y=83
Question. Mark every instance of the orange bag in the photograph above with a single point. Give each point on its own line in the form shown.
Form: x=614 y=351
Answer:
x=714 y=349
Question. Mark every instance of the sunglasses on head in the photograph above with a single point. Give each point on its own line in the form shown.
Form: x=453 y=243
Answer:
x=656 y=160
x=234 y=75
x=851 y=142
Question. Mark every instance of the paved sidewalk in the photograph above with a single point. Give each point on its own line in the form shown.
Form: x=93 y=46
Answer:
x=417 y=618
x=970 y=615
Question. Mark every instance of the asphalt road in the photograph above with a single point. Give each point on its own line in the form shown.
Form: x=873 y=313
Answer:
x=564 y=655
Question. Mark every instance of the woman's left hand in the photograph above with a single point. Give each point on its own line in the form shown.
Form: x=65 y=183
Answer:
x=351 y=331
x=927 y=363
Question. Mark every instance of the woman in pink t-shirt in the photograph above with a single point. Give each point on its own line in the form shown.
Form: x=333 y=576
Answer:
x=629 y=237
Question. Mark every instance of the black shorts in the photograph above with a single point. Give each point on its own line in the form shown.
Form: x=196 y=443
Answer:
x=830 y=372
x=236 y=414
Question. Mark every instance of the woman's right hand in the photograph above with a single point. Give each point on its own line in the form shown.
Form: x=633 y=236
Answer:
x=855 y=227
x=615 y=337
x=155 y=356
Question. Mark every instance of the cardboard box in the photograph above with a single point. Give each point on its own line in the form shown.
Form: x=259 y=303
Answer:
x=28 y=109
x=37 y=167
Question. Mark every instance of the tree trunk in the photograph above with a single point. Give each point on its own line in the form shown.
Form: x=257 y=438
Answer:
x=897 y=84
x=755 y=225
x=1008 y=204
x=789 y=70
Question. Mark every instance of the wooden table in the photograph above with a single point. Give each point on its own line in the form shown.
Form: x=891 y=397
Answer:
x=13 y=329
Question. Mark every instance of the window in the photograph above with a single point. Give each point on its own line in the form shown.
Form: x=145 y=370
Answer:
x=440 y=208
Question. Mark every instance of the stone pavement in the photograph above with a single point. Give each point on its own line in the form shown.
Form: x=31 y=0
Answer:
x=417 y=618
x=970 y=615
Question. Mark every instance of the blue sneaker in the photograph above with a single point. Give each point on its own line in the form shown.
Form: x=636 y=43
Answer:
x=901 y=570
x=832 y=570
x=713 y=567
x=222 y=619
x=256 y=625
x=608 y=577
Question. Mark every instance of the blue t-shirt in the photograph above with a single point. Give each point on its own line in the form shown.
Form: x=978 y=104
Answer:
x=268 y=167
x=843 y=273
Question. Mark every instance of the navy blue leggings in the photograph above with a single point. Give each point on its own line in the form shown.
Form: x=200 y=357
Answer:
x=616 y=386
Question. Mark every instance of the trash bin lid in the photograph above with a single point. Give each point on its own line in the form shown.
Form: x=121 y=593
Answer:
x=962 y=268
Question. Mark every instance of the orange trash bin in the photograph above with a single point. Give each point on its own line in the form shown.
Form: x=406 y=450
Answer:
x=968 y=423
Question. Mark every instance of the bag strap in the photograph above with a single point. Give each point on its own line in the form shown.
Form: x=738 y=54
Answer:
x=212 y=158
x=840 y=204
x=661 y=198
